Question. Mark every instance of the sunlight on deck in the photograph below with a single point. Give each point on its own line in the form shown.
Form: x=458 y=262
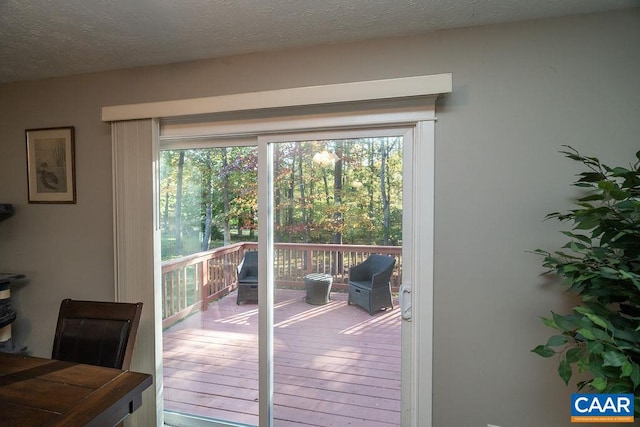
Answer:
x=334 y=364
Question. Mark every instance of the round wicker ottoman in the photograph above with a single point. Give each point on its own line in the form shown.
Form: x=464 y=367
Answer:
x=318 y=286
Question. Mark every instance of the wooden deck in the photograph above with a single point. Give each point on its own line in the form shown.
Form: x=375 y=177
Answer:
x=335 y=365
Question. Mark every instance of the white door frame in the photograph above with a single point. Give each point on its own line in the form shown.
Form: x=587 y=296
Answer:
x=394 y=102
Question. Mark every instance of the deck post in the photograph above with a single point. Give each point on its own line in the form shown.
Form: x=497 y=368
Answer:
x=308 y=261
x=204 y=268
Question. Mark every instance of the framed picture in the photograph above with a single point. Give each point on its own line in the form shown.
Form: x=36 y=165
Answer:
x=51 y=165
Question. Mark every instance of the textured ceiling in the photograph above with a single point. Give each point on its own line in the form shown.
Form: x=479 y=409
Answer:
x=47 y=38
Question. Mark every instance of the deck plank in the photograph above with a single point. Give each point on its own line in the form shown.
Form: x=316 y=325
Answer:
x=334 y=365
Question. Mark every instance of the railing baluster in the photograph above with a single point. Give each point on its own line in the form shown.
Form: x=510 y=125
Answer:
x=214 y=270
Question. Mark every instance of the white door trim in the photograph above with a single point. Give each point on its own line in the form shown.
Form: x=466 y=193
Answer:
x=137 y=156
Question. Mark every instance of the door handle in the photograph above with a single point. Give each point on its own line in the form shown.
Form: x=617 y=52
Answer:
x=405 y=301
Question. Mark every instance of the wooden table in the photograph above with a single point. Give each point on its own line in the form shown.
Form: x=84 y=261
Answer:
x=45 y=392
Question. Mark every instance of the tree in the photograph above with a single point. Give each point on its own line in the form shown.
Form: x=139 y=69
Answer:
x=209 y=196
x=387 y=147
x=337 y=194
x=178 y=208
x=225 y=198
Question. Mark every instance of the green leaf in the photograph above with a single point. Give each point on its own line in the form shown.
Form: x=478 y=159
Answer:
x=609 y=273
x=565 y=323
x=577 y=236
x=618 y=171
x=564 y=370
x=609 y=236
x=634 y=278
x=544 y=351
x=592 y=198
x=635 y=376
x=584 y=184
x=577 y=247
x=564 y=255
x=587 y=276
x=586 y=333
x=574 y=354
x=569 y=268
x=619 y=194
x=595 y=347
x=606 y=185
x=552 y=324
x=541 y=252
x=591 y=177
x=557 y=340
x=614 y=358
x=618 y=388
x=587 y=222
x=599 y=383
x=591 y=316
x=601 y=335
x=627 y=369
x=627 y=205
x=594 y=367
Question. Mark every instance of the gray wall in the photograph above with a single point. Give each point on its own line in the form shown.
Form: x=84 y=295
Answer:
x=520 y=92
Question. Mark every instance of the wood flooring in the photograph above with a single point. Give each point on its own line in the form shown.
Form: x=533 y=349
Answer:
x=334 y=364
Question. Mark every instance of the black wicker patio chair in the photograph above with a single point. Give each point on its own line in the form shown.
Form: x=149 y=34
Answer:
x=369 y=283
x=248 y=278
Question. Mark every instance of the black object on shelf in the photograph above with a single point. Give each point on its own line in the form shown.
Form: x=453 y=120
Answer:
x=8 y=314
x=6 y=211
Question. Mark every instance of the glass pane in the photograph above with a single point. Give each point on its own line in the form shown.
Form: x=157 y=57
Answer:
x=208 y=213
x=336 y=203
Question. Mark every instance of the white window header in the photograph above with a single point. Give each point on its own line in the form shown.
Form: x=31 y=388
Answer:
x=405 y=87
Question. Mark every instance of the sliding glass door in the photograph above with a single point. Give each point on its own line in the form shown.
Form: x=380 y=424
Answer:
x=311 y=349
x=334 y=199
x=208 y=217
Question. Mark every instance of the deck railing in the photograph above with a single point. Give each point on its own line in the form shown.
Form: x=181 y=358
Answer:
x=191 y=282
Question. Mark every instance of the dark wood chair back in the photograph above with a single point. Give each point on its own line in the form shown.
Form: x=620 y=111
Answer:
x=96 y=333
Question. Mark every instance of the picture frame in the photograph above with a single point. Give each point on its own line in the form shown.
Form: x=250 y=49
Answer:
x=51 y=165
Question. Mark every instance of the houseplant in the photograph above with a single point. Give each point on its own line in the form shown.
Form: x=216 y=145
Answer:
x=600 y=337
